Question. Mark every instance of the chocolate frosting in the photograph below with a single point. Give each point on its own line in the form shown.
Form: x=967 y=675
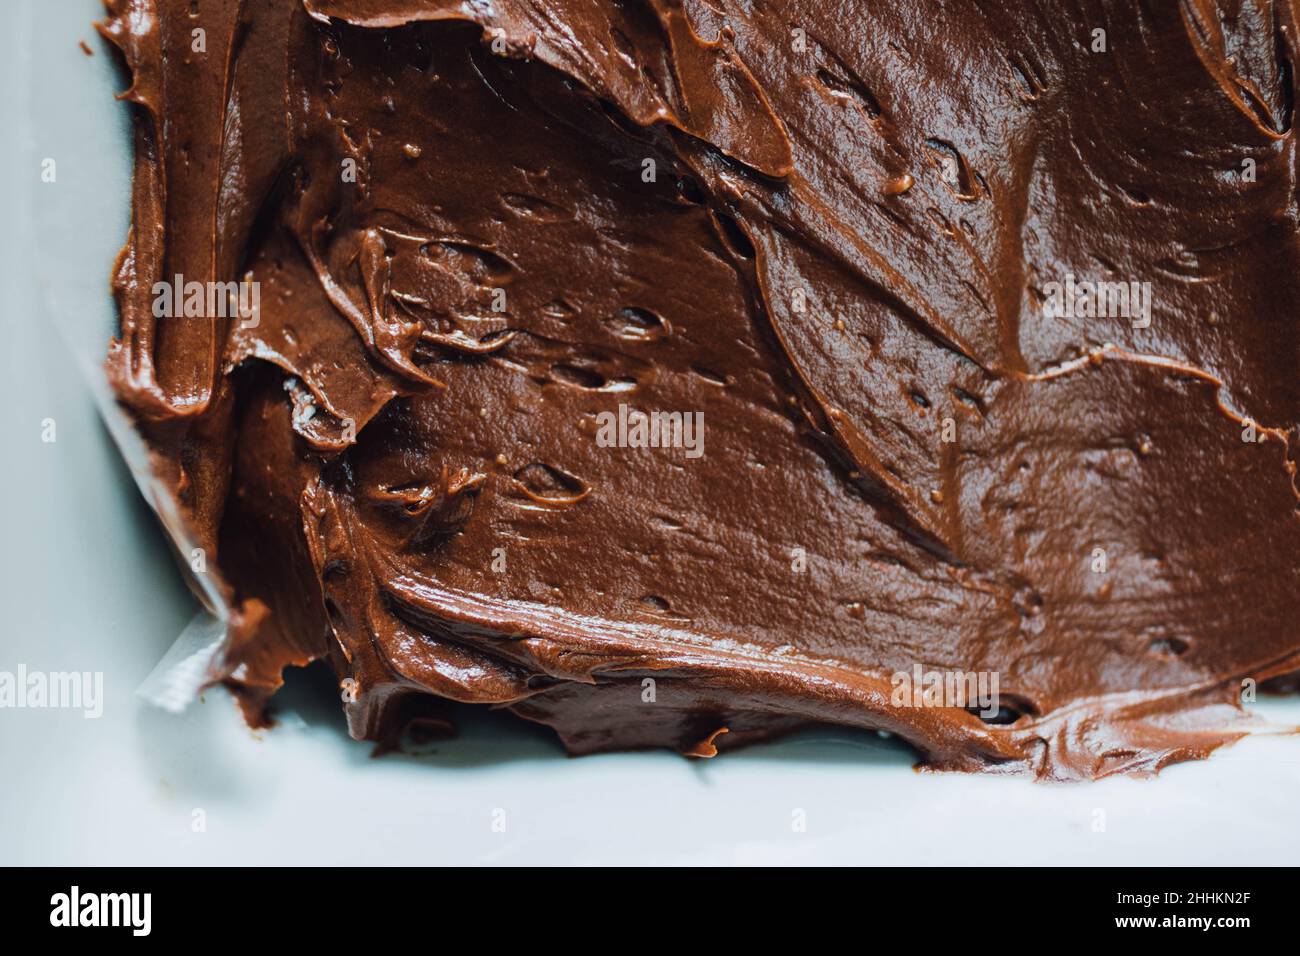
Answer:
x=830 y=228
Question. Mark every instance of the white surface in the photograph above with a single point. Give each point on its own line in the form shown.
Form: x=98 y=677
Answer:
x=89 y=585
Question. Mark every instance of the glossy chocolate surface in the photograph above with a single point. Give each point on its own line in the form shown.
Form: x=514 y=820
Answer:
x=835 y=231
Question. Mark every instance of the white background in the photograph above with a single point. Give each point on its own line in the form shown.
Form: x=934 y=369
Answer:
x=88 y=585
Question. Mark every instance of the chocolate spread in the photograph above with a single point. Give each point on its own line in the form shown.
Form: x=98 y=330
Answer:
x=677 y=373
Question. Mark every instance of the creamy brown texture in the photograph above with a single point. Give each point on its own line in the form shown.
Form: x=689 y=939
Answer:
x=842 y=260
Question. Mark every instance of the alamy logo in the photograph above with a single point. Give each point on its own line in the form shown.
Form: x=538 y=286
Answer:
x=1090 y=300
x=965 y=689
x=102 y=909
x=630 y=428
x=56 y=690
x=208 y=300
